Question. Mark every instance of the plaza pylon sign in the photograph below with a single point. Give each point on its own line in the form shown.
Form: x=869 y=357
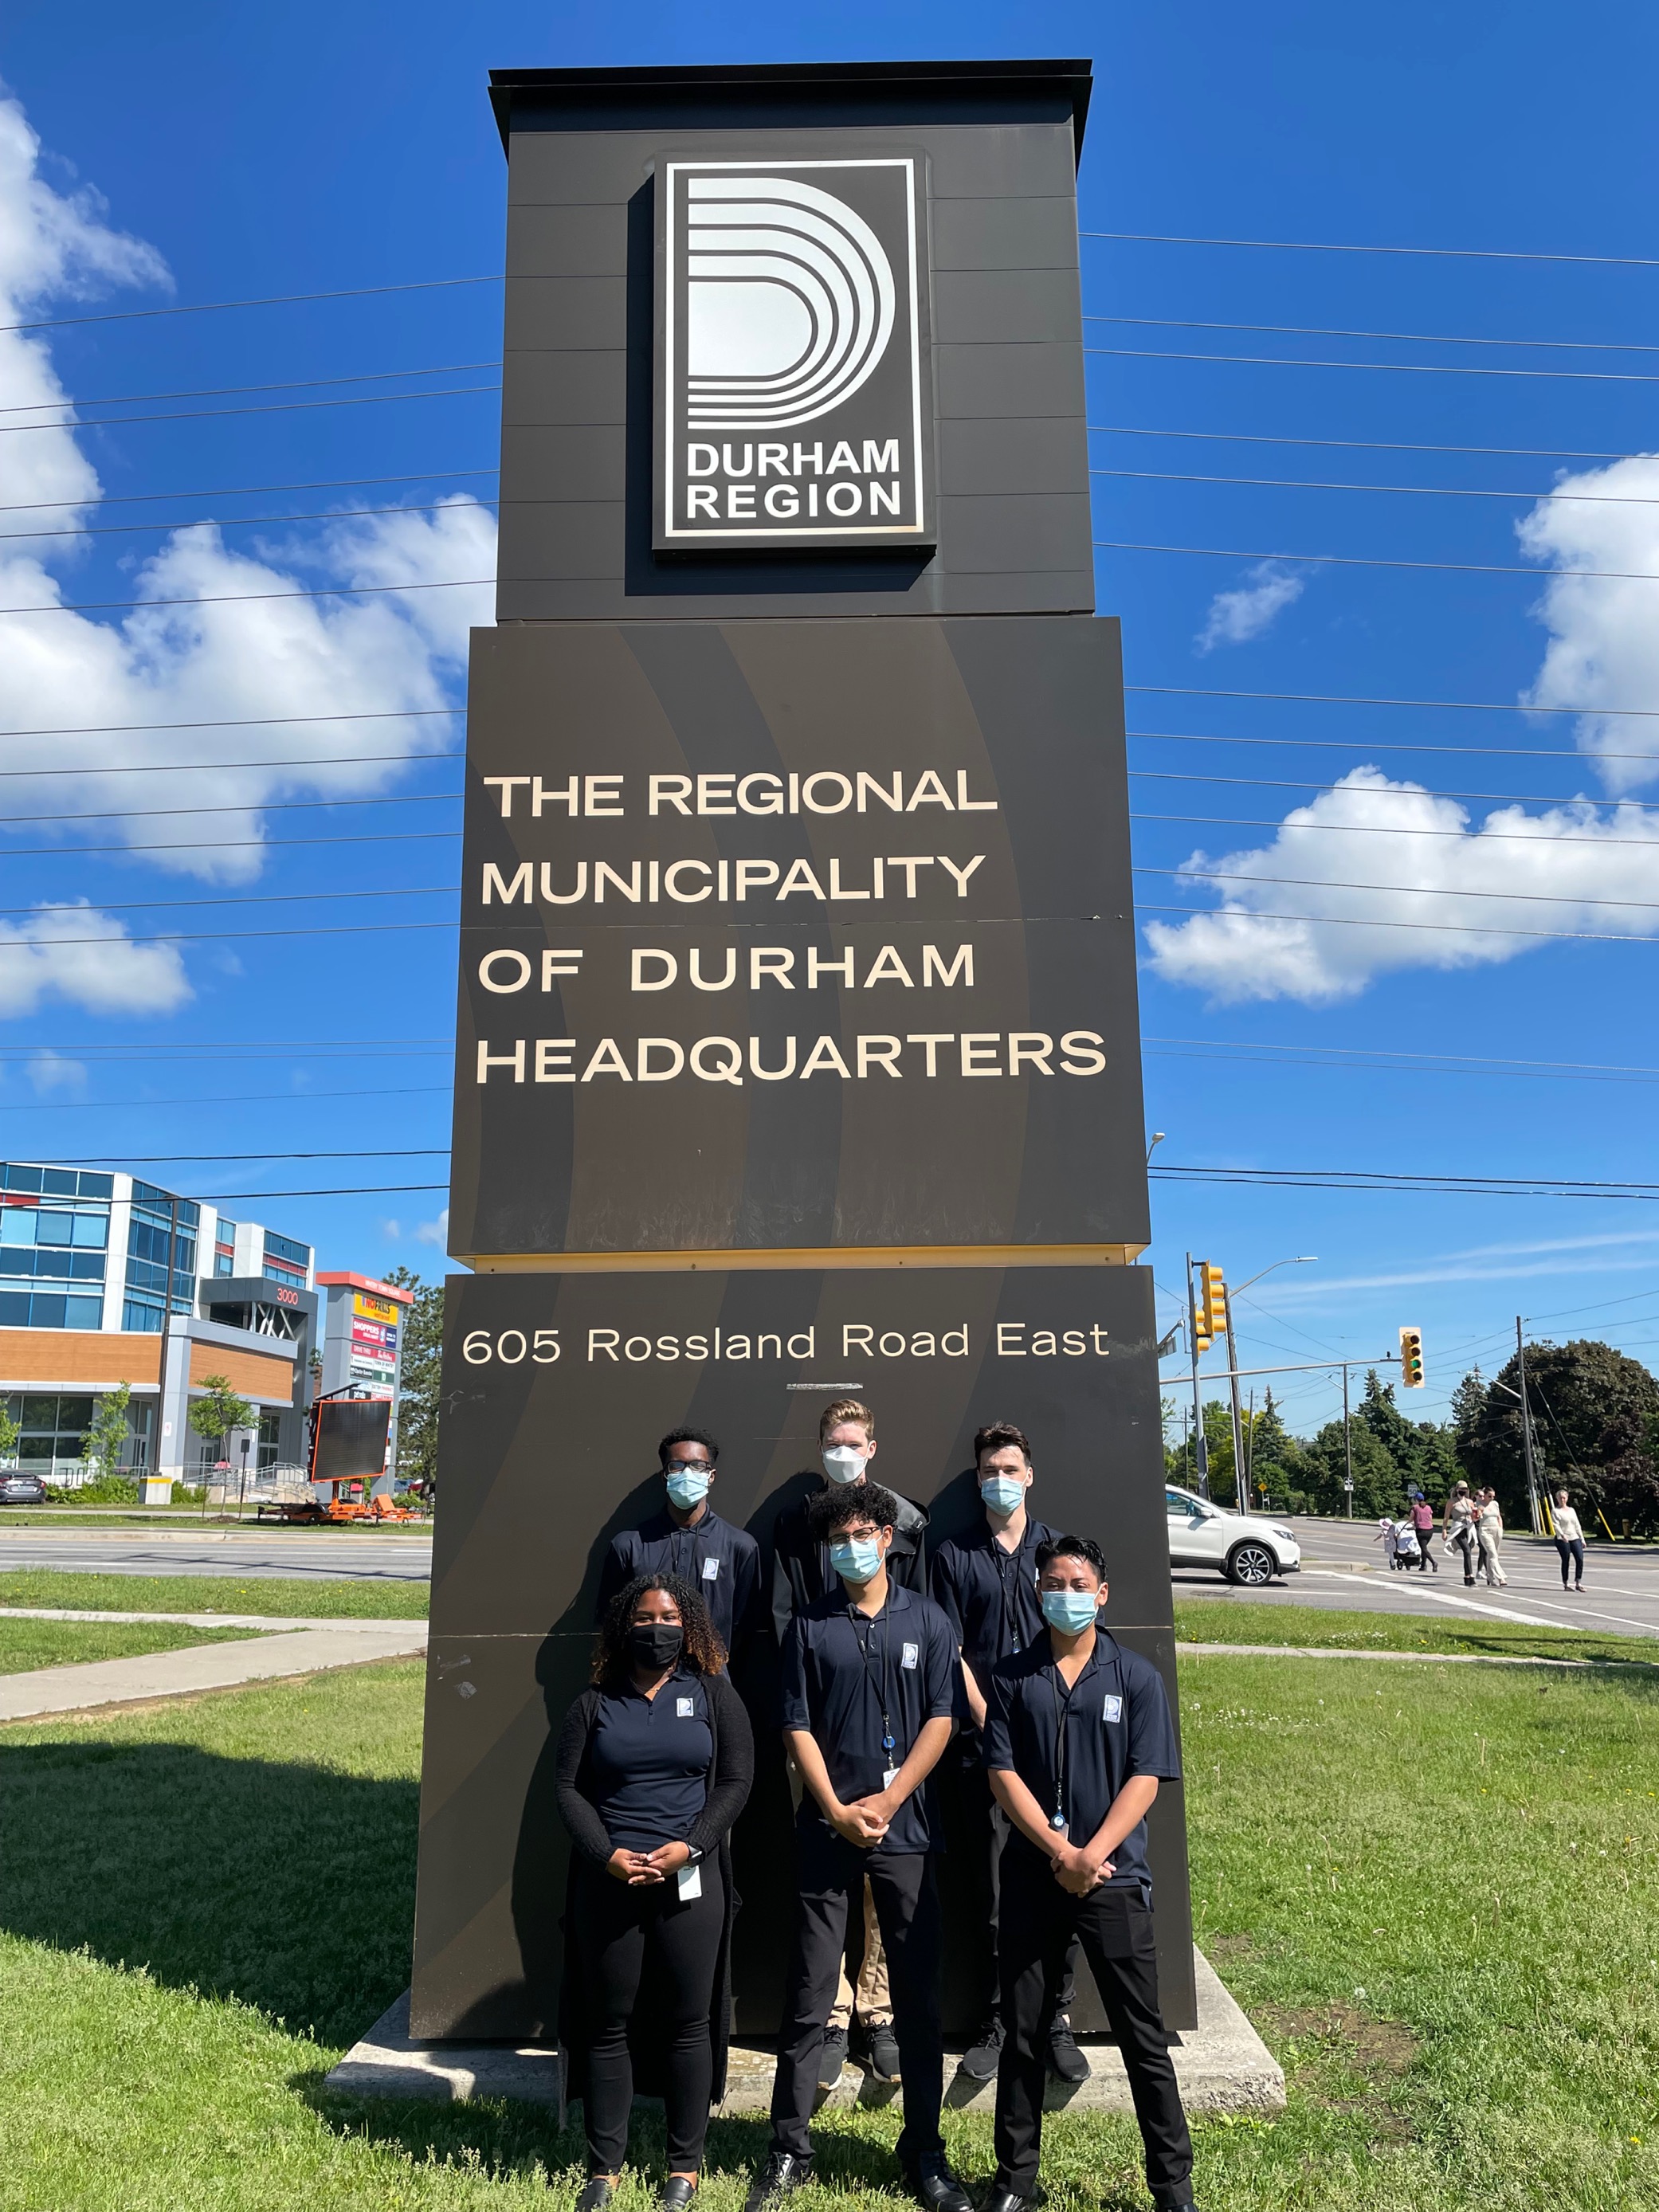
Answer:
x=798 y=1045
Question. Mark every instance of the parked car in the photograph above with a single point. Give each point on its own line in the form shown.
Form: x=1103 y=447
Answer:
x=1244 y=1547
x=19 y=1489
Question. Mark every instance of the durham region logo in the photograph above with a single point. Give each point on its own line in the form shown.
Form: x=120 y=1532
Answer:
x=793 y=384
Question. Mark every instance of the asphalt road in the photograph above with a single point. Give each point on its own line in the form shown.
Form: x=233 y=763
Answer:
x=1343 y=1570
x=335 y=1554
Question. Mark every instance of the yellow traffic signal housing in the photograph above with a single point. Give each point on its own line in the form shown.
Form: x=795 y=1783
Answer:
x=1212 y=1294
x=1203 y=1332
x=1411 y=1358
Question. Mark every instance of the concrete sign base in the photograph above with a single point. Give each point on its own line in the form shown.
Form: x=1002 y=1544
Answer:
x=1222 y=2064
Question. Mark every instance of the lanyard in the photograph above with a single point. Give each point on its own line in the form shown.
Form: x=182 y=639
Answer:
x=1062 y=1717
x=1015 y=1561
x=879 y=1692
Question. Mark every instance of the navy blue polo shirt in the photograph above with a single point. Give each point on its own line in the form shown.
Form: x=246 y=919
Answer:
x=841 y=1672
x=1116 y=1723
x=721 y=1563
x=648 y=1761
x=989 y=1596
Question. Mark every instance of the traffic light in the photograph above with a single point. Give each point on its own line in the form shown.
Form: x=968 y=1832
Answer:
x=1411 y=1358
x=1203 y=1334
x=1213 y=1291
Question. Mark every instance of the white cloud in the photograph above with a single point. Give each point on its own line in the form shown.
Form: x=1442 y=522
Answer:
x=249 y=656
x=50 y=1072
x=1571 y=856
x=1604 y=642
x=73 y=953
x=434 y=1232
x=1235 y=617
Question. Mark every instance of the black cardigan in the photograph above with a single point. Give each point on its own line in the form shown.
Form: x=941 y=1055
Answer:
x=730 y=1776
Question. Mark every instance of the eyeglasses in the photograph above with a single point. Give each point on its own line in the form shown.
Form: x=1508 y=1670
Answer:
x=689 y=1467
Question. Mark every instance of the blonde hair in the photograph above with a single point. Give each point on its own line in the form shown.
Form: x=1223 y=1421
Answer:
x=847 y=1409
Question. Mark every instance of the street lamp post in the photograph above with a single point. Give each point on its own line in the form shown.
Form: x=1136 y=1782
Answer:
x=1303 y=1260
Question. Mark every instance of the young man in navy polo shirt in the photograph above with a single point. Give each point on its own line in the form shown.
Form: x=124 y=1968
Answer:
x=688 y=1538
x=1077 y=1736
x=986 y=1586
x=870 y=1697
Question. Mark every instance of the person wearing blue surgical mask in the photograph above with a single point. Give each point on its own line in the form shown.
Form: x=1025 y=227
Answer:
x=1078 y=1738
x=870 y=1694
x=985 y=1582
x=861 y=2022
x=686 y=1537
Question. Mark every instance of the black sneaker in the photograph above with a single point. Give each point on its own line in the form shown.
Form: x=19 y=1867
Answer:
x=832 y=2057
x=598 y=2194
x=782 y=2174
x=981 y=2060
x=1066 y=2062
x=881 y=2050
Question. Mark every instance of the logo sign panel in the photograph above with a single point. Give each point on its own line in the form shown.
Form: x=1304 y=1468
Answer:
x=793 y=367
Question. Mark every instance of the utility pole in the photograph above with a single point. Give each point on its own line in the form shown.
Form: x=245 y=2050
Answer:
x=167 y=1338
x=1200 y=1449
x=1238 y=1419
x=1347 y=1443
x=1525 y=1433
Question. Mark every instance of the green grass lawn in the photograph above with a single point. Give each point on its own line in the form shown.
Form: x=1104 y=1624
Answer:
x=286 y=1594
x=27 y=1644
x=1433 y=1889
x=1211 y=1621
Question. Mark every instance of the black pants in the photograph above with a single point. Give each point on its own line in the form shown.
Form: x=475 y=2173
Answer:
x=1468 y=1545
x=1040 y=1920
x=906 y=1890
x=619 y=1933
x=1571 y=1548
x=988 y=1830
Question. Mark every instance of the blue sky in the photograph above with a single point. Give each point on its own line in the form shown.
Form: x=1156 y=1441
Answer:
x=240 y=153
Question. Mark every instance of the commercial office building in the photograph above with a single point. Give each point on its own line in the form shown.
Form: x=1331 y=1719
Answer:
x=106 y=1278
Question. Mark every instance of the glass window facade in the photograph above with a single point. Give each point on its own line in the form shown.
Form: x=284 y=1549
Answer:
x=53 y=1238
x=152 y=1227
x=52 y=1428
x=285 y=1261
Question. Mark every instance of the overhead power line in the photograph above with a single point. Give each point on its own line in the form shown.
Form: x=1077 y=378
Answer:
x=1421 y=252
x=251 y=521
x=1351 y=560
x=236 y=722
x=1399 y=1061
x=1374 y=699
x=244 y=898
x=282 y=844
x=237 y=391
x=1320 y=883
x=1380 y=1179
x=1270 y=483
x=1381 y=367
x=224 y=1159
x=236 y=491
x=1380 y=921
x=345 y=1190
x=246 y=805
x=1219 y=821
x=1400 y=746
x=1357 y=445
x=233 y=1098
x=1372 y=791
x=225 y=414
x=274 y=300
x=26 y=944
x=230 y=599
x=180 y=768
x=1322 y=330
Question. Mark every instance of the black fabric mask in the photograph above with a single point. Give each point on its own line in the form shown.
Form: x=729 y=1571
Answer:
x=655 y=1647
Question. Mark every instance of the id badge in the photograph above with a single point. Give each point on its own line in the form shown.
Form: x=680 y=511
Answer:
x=711 y=1569
x=690 y=1881
x=889 y=1776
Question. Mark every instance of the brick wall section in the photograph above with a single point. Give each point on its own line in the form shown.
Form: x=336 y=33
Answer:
x=40 y=1358
x=249 y=1372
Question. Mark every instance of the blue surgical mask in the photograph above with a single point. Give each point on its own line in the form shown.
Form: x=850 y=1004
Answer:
x=843 y=1464
x=1001 y=1492
x=856 y=1558
x=1069 y=1611
x=690 y=1488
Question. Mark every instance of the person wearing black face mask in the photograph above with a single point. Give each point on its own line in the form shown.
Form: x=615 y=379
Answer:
x=655 y=1762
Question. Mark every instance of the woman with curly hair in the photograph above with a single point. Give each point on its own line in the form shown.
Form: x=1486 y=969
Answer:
x=655 y=1762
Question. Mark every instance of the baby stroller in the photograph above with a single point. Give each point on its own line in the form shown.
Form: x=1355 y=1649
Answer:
x=1405 y=1554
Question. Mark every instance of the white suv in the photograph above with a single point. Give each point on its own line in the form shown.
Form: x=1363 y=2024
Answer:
x=1242 y=1546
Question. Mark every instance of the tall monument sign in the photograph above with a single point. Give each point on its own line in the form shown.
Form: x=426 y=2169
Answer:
x=798 y=1048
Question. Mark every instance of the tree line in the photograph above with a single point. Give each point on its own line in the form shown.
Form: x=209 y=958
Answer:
x=1595 y=1424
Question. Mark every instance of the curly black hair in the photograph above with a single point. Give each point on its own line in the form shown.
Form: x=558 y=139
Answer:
x=840 y=1504
x=702 y=1652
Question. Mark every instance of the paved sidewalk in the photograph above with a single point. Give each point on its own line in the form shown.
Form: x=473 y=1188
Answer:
x=1410 y=1658
x=277 y=1624
x=295 y=1650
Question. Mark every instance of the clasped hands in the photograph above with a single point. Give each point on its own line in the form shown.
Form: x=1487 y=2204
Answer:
x=1078 y=1868
x=640 y=1869
x=865 y=1822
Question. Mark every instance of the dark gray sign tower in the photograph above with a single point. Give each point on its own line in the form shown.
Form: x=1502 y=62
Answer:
x=798 y=1044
